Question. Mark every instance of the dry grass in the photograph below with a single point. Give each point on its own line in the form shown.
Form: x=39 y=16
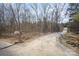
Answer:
x=71 y=40
x=25 y=37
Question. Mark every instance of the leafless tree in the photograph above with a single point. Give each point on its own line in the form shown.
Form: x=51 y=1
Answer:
x=45 y=9
x=18 y=6
x=35 y=8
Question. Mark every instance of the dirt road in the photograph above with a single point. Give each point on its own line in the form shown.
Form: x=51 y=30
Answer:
x=47 y=45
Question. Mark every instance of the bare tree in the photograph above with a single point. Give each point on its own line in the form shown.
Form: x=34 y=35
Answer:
x=58 y=9
x=18 y=6
x=2 y=20
x=14 y=17
x=35 y=8
x=45 y=9
x=26 y=18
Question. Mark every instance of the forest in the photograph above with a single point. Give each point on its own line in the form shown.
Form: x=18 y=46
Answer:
x=32 y=17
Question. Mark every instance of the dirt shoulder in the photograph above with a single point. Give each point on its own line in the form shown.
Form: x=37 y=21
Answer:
x=71 y=41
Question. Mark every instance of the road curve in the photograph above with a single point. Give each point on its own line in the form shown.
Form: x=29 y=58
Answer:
x=47 y=45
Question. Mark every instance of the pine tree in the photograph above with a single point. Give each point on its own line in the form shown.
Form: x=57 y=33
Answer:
x=74 y=17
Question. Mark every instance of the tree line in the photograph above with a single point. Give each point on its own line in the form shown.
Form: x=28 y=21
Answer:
x=31 y=17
